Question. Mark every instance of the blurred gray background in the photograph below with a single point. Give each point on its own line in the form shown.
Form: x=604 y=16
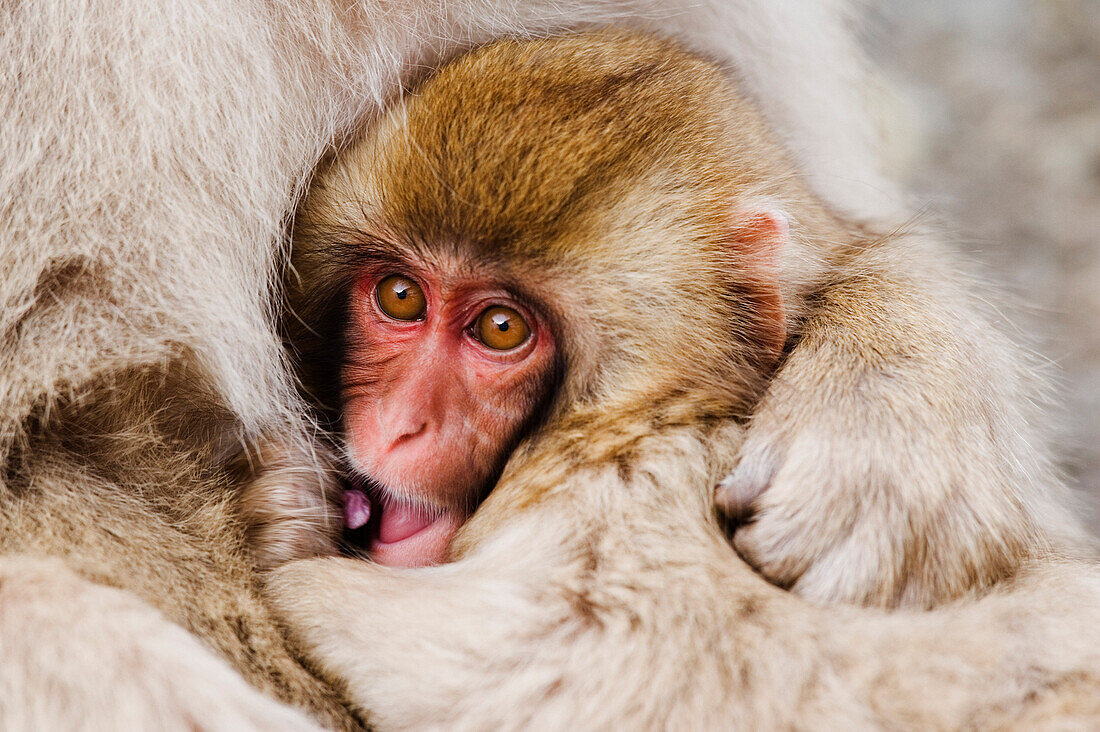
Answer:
x=991 y=115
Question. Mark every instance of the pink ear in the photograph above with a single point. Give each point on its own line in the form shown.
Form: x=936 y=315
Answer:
x=757 y=239
x=761 y=235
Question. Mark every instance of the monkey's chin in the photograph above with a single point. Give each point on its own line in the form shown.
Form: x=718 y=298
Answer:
x=408 y=538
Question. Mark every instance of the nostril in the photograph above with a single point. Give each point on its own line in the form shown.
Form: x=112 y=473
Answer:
x=414 y=430
x=399 y=432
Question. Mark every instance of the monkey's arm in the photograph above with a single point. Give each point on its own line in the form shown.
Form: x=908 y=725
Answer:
x=899 y=456
x=79 y=655
x=473 y=646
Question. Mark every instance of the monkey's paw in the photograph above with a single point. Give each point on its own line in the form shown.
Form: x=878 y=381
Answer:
x=290 y=502
x=842 y=494
x=798 y=522
x=797 y=534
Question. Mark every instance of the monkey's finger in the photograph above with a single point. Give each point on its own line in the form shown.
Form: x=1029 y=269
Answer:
x=778 y=561
x=734 y=496
x=737 y=493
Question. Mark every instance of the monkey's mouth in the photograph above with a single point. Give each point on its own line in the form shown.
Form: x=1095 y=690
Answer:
x=396 y=532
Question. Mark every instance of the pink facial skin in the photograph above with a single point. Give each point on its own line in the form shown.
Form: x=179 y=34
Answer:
x=430 y=412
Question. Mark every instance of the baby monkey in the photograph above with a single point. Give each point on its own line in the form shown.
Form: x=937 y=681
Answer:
x=451 y=289
x=442 y=315
x=583 y=258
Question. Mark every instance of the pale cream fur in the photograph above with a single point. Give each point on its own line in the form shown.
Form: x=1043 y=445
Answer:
x=83 y=656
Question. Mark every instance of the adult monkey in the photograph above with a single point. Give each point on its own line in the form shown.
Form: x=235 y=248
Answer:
x=150 y=156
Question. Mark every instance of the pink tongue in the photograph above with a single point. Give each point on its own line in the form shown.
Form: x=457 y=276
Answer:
x=400 y=521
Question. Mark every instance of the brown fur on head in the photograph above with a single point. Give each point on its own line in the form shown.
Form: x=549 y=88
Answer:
x=599 y=177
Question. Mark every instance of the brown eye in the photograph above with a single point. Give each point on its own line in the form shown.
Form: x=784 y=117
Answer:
x=502 y=328
x=400 y=298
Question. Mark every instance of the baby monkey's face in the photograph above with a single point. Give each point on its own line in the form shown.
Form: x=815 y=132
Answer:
x=444 y=367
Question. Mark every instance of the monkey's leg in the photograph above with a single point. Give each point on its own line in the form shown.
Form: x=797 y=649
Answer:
x=78 y=655
x=898 y=457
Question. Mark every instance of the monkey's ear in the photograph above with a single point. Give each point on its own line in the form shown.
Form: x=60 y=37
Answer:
x=757 y=239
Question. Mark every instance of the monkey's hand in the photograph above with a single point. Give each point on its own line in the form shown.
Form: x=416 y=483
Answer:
x=896 y=458
x=78 y=655
x=290 y=502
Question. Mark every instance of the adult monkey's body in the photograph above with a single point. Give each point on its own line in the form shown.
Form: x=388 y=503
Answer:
x=626 y=200
x=150 y=156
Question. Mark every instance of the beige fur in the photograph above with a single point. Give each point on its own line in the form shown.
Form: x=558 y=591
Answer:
x=605 y=175
x=891 y=465
x=607 y=627
x=150 y=153
x=620 y=605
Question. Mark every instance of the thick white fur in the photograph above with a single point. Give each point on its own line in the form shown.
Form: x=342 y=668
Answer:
x=157 y=147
